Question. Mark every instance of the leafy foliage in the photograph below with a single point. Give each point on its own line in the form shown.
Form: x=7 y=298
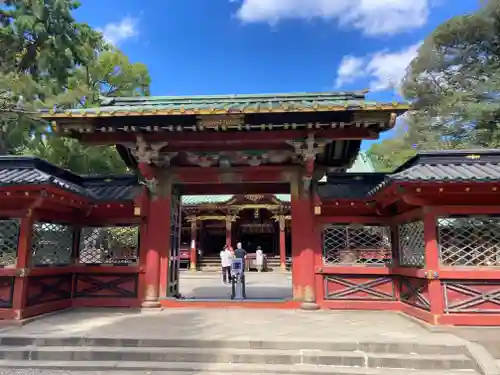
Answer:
x=43 y=38
x=391 y=153
x=110 y=74
x=50 y=60
x=453 y=86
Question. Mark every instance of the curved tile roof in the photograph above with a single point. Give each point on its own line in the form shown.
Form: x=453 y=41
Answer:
x=241 y=103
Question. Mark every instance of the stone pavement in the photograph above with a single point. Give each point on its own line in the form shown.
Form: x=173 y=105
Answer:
x=231 y=324
x=209 y=285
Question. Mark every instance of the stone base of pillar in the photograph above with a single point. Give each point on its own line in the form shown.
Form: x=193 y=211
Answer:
x=283 y=266
x=309 y=306
x=309 y=302
x=192 y=267
x=151 y=304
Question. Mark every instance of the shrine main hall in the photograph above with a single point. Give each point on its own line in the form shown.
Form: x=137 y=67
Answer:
x=281 y=171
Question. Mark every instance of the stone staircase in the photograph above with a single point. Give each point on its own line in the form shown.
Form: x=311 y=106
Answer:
x=212 y=264
x=209 y=263
x=194 y=356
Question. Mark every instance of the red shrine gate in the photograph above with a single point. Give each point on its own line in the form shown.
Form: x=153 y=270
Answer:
x=422 y=240
x=162 y=210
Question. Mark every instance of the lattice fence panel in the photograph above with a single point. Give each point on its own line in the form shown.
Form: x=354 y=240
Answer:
x=469 y=241
x=109 y=245
x=9 y=239
x=412 y=244
x=52 y=244
x=357 y=244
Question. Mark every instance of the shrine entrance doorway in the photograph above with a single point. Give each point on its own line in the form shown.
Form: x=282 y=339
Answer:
x=236 y=220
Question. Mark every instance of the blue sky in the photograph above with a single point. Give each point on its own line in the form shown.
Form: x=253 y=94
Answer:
x=267 y=46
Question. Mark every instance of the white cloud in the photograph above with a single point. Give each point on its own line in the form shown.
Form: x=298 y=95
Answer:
x=350 y=68
x=372 y=17
x=117 y=32
x=383 y=69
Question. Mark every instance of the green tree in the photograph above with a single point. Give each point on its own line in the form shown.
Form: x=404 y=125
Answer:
x=110 y=74
x=454 y=82
x=50 y=60
x=41 y=45
x=453 y=86
x=41 y=38
x=391 y=153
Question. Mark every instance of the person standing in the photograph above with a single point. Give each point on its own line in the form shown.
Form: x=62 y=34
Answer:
x=259 y=259
x=225 y=260
x=240 y=253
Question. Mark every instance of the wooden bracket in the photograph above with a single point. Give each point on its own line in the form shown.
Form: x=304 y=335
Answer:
x=431 y=275
x=22 y=272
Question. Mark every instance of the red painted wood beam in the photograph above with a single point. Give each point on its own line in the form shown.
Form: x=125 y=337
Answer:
x=324 y=220
x=8 y=272
x=410 y=272
x=353 y=270
x=226 y=146
x=12 y=213
x=225 y=138
x=360 y=305
x=466 y=210
x=234 y=176
x=470 y=273
x=263 y=188
x=110 y=221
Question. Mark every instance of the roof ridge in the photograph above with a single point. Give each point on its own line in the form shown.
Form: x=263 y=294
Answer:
x=355 y=94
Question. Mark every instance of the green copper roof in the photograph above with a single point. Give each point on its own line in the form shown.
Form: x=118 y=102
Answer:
x=217 y=104
x=362 y=164
x=205 y=199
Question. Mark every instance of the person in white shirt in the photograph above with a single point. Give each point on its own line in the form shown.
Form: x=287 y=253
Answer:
x=226 y=260
x=259 y=259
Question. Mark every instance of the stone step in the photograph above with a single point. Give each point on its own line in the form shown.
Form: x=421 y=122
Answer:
x=238 y=356
x=184 y=368
x=396 y=347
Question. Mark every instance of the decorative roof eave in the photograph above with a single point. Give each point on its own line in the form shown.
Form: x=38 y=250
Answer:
x=83 y=193
x=373 y=126
x=104 y=112
x=426 y=182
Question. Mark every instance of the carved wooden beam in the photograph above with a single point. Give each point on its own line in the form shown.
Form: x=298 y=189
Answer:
x=150 y=153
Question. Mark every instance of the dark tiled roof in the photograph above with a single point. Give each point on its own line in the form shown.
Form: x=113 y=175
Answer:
x=439 y=166
x=349 y=186
x=28 y=170
x=447 y=166
x=116 y=188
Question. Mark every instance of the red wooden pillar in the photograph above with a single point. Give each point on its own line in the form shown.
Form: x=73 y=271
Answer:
x=228 y=231
x=282 y=226
x=158 y=240
x=395 y=259
x=193 y=253
x=141 y=208
x=22 y=265
x=436 y=298
x=303 y=245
